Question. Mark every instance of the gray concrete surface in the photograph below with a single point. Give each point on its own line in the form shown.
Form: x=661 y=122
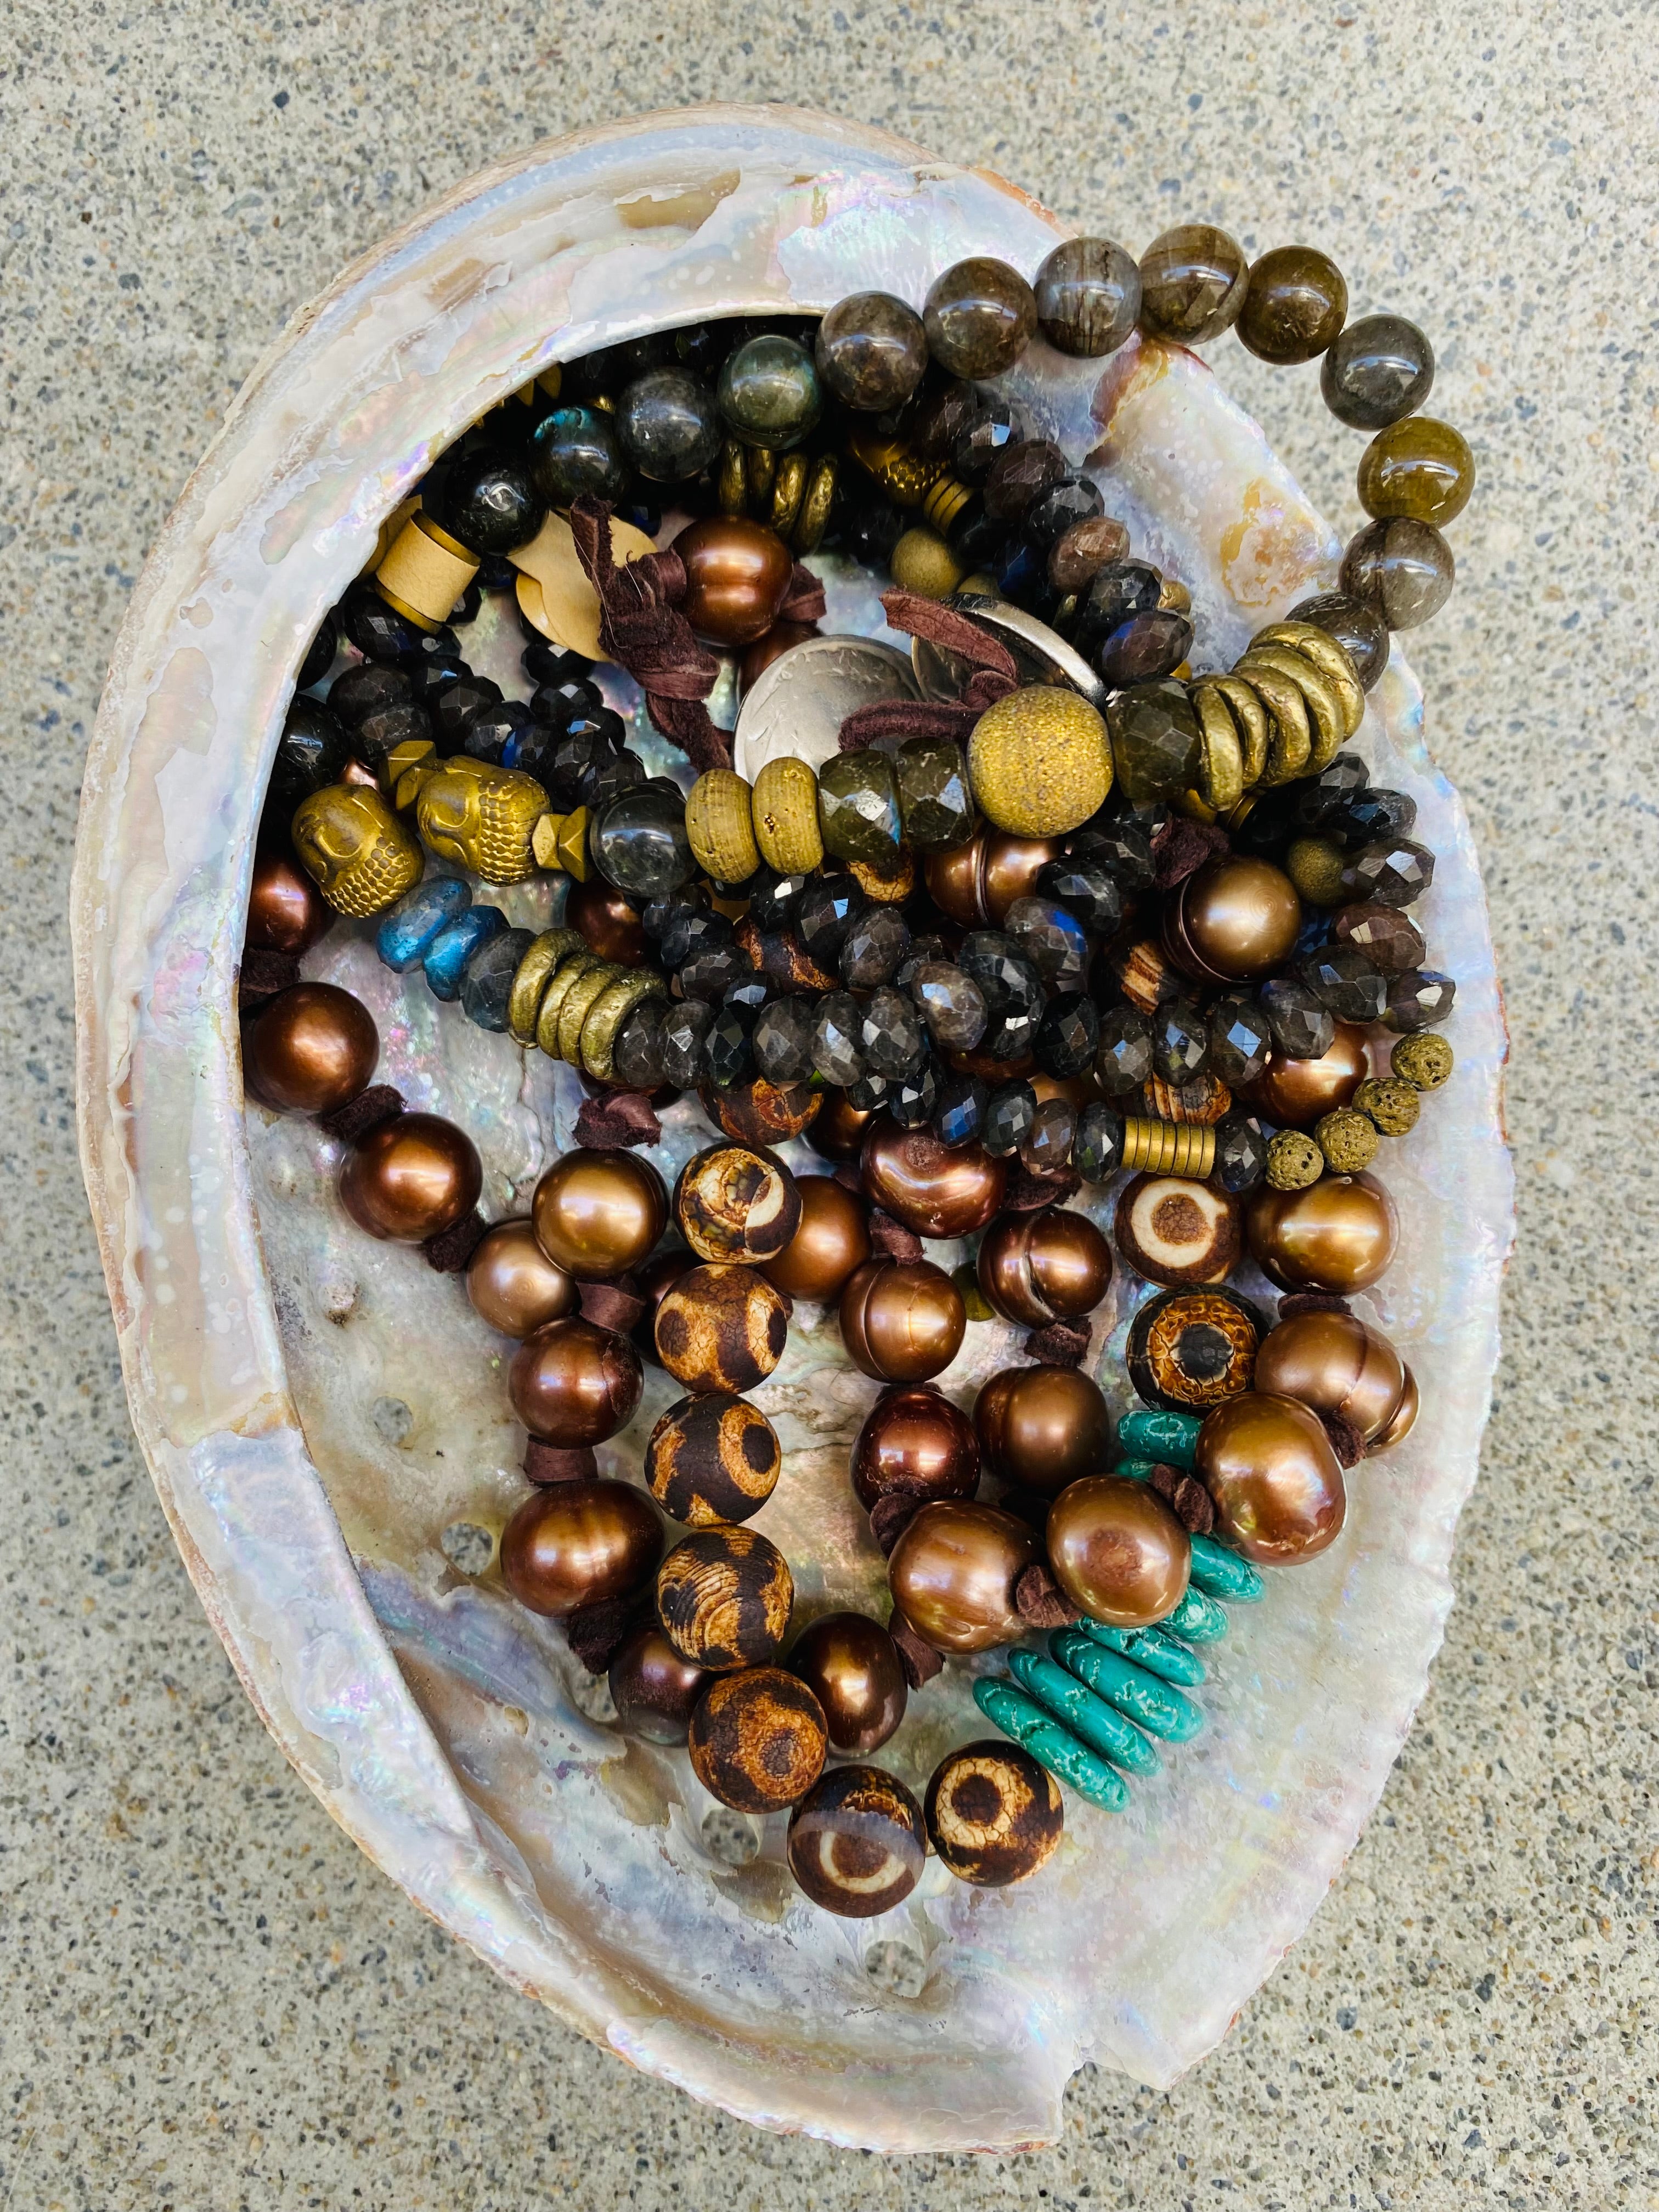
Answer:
x=209 y=2000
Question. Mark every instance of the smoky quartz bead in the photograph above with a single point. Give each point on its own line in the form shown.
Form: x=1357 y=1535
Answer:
x=783 y=1040
x=685 y=1028
x=1402 y=569
x=486 y=502
x=1345 y=982
x=669 y=425
x=1180 y=1041
x=1240 y=1038
x=914 y=1098
x=870 y=1092
x=574 y=453
x=639 y=842
x=1419 y=1000
x=936 y=805
x=1295 y=303
x=950 y=1003
x=1018 y=475
x=1088 y=296
x=983 y=439
x=637 y=1058
x=837 y=1054
x=859 y=809
x=1155 y=741
x=1124 y=847
x=1362 y=632
x=890 y=1033
x=1009 y=981
x=978 y=316
x=1317 y=801
x=689 y=931
x=769 y=393
x=1377 y=371
x=1097 y=1146
x=1193 y=280
x=829 y=906
x=1369 y=815
x=1241 y=1152
x=1302 y=1027
x=1390 y=940
x=1054 y=510
x=876 y=944
x=487 y=977
x=311 y=751
x=729 y=1045
x=1124 y=1058
x=1144 y=649
x=871 y=351
x=1047 y=1145
x=773 y=900
x=1051 y=939
x=1067 y=1035
x=1421 y=468
x=1009 y=1116
x=1393 y=871
x=1083 y=885
x=713 y=972
x=959 y=1116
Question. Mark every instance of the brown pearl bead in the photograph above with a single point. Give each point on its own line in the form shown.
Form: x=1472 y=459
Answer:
x=758 y=1739
x=736 y=577
x=832 y=1240
x=927 y=1186
x=1240 y=916
x=1275 y=1481
x=851 y=1665
x=777 y=640
x=902 y=1321
x=597 y=1214
x=1048 y=1264
x=1404 y=1418
x=1338 y=1365
x=952 y=1574
x=1294 y=1094
x=609 y=920
x=652 y=1284
x=513 y=1284
x=914 y=1440
x=578 y=1543
x=574 y=1383
x=837 y=1131
x=653 y=1689
x=411 y=1178
x=286 y=912
x=1338 y=1234
x=993 y=1815
x=1043 y=1428
x=975 y=884
x=1117 y=1551
x=857 y=1844
x=310 y=1049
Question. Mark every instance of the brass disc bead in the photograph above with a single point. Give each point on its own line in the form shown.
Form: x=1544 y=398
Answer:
x=577 y=1543
x=514 y=1285
x=411 y=1178
x=1274 y=1478
x=310 y=1049
x=902 y=1321
x=1338 y=1236
x=857 y=1843
x=758 y=1739
x=916 y=1441
x=831 y=1241
x=851 y=1665
x=572 y=1382
x=1117 y=1551
x=597 y=1214
x=952 y=1574
x=1042 y=1428
x=1047 y=1264
x=993 y=1815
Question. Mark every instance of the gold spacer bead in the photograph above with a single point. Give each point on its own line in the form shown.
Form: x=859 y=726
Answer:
x=1169 y=1148
x=578 y=1003
x=785 y=809
x=945 y=501
x=760 y=465
x=596 y=1048
x=905 y=480
x=734 y=484
x=558 y=843
x=530 y=979
x=788 y=489
x=814 y=518
x=719 y=826
x=568 y=971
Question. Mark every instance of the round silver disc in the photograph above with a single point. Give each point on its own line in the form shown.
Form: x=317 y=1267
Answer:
x=797 y=705
x=1041 y=654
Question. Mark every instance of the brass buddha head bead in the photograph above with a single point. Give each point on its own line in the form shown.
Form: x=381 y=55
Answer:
x=482 y=817
x=355 y=849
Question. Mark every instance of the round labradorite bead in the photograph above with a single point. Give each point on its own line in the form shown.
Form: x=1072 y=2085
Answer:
x=574 y=452
x=1362 y=635
x=1088 y=296
x=1377 y=371
x=1192 y=283
x=859 y=810
x=935 y=803
x=871 y=351
x=639 y=842
x=1421 y=468
x=979 y=317
x=1294 y=305
x=669 y=425
x=1402 y=569
x=769 y=393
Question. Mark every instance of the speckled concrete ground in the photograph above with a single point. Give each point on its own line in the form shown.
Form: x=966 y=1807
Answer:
x=209 y=2000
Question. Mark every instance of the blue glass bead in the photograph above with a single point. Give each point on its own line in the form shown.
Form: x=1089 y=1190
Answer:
x=1171 y=1437
x=487 y=979
x=1219 y=1572
x=1050 y=1745
x=455 y=944
x=407 y=930
x=1086 y=1715
x=1160 y=1709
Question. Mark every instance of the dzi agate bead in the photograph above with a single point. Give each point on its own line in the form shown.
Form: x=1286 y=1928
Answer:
x=851 y=1665
x=1043 y=1428
x=721 y=1329
x=733 y=1205
x=712 y=1458
x=993 y=1815
x=758 y=1739
x=1377 y=371
x=1295 y=302
x=1193 y=280
x=724 y=1598
x=857 y=1843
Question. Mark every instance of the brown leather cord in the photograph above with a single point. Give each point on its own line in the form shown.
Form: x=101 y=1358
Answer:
x=994 y=678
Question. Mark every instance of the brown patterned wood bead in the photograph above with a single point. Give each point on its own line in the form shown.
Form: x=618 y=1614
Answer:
x=857 y=1843
x=758 y=1739
x=759 y=1112
x=1203 y=1102
x=1142 y=972
x=712 y=1459
x=1178 y=1232
x=721 y=1329
x=736 y=1206
x=993 y=1815
x=724 y=1598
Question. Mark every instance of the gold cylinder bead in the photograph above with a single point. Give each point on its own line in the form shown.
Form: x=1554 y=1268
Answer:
x=1169 y=1148
x=785 y=809
x=788 y=489
x=945 y=501
x=719 y=826
x=424 y=571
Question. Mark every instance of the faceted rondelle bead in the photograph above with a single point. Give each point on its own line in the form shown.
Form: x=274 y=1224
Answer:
x=729 y=1045
x=959 y=1116
x=407 y=931
x=1180 y=1041
x=1144 y=648
x=1392 y=872
x=1402 y=569
x=986 y=433
x=952 y=1003
x=1390 y=940
x=1362 y=632
x=978 y=316
x=444 y=961
x=639 y=842
x=1241 y=1152
x=684 y=1030
x=487 y=978
x=1019 y=473
x=1124 y=1058
x=576 y=452
x=1295 y=303
x=1052 y=940
x=871 y=351
x=1344 y=980
x=1009 y=1118
x=669 y=425
x=935 y=805
x=1418 y=1000
x=859 y=810
x=1421 y=467
x=1047 y=1144
x=836 y=1052
x=1155 y=741
x=1056 y=508
x=1081 y=883
x=1088 y=296
x=1241 y=1040
x=1067 y=1035
x=783 y=1040
x=889 y=1034
x=829 y=906
x=1302 y=1027
x=1193 y=280
x=875 y=946
x=769 y=393
x=1377 y=371
x=637 y=1058
x=1079 y=555
x=1097 y=1146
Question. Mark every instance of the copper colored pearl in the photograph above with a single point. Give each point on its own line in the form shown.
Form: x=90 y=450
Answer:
x=653 y=1689
x=914 y=1439
x=1336 y=1363
x=902 y=1321
x=736 y=577
x=836 y=1131
x=977 y=883
x=1338 y=1234
x=597 y=1214
x=1045 y=1264
x=310 y=1049
x=1043 y=1427
x=931 y=1188
x=1241 y=916
x=953 y=1575
x=576 y=1543
x=609 y=920
x=411 y=1178
x=1275 y=1481
x=1293 y=1094
x=286 y=912
x=574 y=1383
x=513 y=1284
x=832 y=1240
x=1117 y=1551
x=851 y=1665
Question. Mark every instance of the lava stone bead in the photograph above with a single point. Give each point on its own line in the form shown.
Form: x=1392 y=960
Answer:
x=978 y=316
x=1402 y=569
x=857 y=1843
x=1193 y=280
x=992 y=1814
x=486 y=502
x=573 y=1384
x=871 y=351
x=669 y=425
x=574 y=453
x=1295 y=303
x=769 y=393
x=758 y=1739
x=721 y=1329
x=712 y=1458
x=1088 y=296
x=579 y=1543
x=1377 y=371
x=851 y=1665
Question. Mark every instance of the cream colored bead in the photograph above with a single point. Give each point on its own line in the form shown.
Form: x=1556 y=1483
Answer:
x=719 y=826
x=424 y=571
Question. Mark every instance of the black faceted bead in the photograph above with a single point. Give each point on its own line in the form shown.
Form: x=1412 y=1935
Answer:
x=1067 y=1035
x=544 y=663
x=1052 y=940
x=959 y=1115
x=975 y=537
x=636 y=1057
x=1119 y=590
x=311 y=751
x=1317 y=801
x=453 y=706
x=1180 y=1041
x=319 y=655
x=913 y=1099
x=658 y=916
x=1054 y=509
x=729 y=1046
x=1266 y=830
x=438 y=668
x=751 y=990
x=1097 y=1148
x=608 y=778
x=689 y=930
x=714 y=973
x=491 y=731
x=1086 y=887
x=485 y=500
x=1372 y=816
x=868 y=529
x=378 y=736
x=774 y=900
x=875 y=945
x=1241 y=1152
x=869 y=1092
x=685 y=1028
x=838 y=1047
x=983 y=440
x=1418 y=1000
x=378 y=631
x=1344 y=980
x=1008 y=979
x=1123 y=847
x=569 y=763
x=487 y=978
x=1010 y=1116
x=562 y=699
x=783 y=1040
x=828 y=907
x=364 y=689
x=1019 y=570
x=1302 y=1027
x=1124 y=1058
x=890 y=1035
x=467 y=608
x=1013 y=1037
x=1240 y=1038
x=1393 y=871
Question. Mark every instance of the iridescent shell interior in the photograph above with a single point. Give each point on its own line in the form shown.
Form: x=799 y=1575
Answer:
x=326 y=1419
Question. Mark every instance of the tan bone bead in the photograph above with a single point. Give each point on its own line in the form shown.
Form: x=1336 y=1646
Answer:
x=719 y=826
x=785 y=808
x=424 y=571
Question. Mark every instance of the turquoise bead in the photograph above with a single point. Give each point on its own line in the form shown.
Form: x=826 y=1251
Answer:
x=1149 y=1433
x=1160 y=1709
x=1221 y=1573
x=1199 y=1619
x=407 y=930
x=445 y=958
x=1049 y=1745
x=1135 y=1470
x=1151 y=1649
x=1085 y=1715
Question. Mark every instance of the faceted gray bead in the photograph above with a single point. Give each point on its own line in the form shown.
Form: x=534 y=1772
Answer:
x=1344 y=981
x=637 y=1058
x=952 y=1004
x=1047 y=1142
x=684 y=1063
x=1240 y=1039
x=1418 y=1000
x=876 y=944
x=836 y=1051
x=1302 y=1027
x=891 y=1034
x=783 y=1040
x=1097 y=1146
x=1052 y=940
